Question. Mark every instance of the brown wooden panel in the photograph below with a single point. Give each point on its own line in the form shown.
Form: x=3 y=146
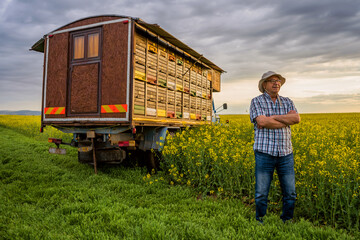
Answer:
x=113 y=115
x=84 y=89
x=216 y=81
x=88 y=21
x=57 y=71
x=114 y=64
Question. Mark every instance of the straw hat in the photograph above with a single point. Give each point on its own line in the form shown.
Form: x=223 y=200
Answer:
x=268 y=74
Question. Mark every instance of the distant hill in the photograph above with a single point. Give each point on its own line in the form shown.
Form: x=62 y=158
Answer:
x=20 y=112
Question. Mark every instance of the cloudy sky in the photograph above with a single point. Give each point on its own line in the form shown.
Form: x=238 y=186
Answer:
x=314 y=44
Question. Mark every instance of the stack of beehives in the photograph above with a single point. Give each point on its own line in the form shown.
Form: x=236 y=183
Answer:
x=168 y=83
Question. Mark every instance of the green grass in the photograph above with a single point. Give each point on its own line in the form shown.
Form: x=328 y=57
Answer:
x=45 y=196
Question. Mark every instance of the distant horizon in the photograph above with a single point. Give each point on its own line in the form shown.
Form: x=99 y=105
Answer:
x=299 y=113
x=39 y=112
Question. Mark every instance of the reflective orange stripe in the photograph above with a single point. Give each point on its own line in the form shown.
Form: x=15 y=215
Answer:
x=114 y=108
x=54 y=110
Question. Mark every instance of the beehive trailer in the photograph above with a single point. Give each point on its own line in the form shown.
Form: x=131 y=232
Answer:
x=118 y=84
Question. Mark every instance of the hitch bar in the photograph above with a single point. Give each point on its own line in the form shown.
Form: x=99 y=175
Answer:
x=58 y=141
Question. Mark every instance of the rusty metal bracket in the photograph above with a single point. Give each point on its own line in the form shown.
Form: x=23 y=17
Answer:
x=94 y=155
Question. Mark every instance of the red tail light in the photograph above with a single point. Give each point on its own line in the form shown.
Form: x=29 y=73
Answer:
x=130 y=143
x=55 y=140
x=123 y=143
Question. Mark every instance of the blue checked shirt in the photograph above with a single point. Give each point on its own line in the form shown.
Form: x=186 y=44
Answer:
x=275 y=142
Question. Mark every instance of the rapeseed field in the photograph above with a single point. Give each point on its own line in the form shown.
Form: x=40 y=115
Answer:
x=218 y=160
x=30 y=126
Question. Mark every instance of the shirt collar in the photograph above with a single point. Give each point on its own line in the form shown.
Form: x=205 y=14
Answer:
x=267 y=95
x=269 y=98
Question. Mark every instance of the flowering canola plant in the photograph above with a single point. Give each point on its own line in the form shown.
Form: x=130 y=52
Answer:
x=30 y=126
x=212 y=158
x=219 y=159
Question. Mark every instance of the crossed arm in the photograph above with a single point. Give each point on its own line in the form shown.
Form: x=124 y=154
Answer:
x=278 y=121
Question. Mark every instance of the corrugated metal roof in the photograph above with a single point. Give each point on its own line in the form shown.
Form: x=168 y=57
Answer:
x=156 y=29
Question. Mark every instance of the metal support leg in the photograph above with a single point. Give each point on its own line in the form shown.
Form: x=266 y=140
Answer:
x=94 y=157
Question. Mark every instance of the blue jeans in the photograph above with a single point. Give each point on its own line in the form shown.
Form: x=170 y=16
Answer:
x=265 y=165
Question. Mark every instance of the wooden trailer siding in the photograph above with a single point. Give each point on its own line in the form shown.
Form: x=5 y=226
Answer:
x=84 y=89
x=114 y=67
x=216 y=81
x=112 y=83
x=145 y=76
x=57 y=73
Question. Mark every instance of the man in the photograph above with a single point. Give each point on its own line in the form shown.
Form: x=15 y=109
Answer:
x=272 y=116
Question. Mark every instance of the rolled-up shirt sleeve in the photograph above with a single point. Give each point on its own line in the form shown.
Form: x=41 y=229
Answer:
x=255 y=110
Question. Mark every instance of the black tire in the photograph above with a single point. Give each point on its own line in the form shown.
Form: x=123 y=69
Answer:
x=152 y=159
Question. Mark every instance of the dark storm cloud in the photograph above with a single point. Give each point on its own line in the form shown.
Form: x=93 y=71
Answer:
x=276 y=33
x=242 y=37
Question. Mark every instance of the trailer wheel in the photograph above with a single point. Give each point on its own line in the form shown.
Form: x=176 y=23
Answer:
x=133 y=158
x=152 y=160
